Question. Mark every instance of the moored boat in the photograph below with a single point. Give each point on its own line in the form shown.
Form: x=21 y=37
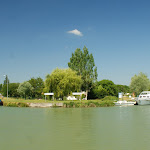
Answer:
x=1 y=97
x=1 y=102
x=120 y=103
x=144 y=98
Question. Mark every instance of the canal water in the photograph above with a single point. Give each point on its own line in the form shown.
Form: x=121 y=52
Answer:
x=109 y=128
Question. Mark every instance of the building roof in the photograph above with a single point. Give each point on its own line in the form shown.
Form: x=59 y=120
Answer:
x=48 y=93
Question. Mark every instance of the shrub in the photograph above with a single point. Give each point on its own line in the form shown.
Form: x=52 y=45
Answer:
x=64 y=98
x=83 y=96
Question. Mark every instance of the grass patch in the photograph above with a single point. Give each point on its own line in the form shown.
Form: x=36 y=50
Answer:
x=90 y=103
x=109 y=98
x=15 y=104
x=26 y=101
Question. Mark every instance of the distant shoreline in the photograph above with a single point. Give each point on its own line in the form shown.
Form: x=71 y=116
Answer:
x=52 y=104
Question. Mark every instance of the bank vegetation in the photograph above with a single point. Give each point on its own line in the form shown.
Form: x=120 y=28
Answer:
x=105 y=102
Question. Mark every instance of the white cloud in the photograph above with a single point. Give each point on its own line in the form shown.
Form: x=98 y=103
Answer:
x=76 y=32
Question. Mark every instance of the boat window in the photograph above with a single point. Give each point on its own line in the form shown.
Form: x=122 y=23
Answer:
x=144 y=96
x=140 y=96
x=143 y=93
x=147 y=96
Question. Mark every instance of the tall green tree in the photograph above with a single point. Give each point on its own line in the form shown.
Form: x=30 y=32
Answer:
x=1 y=88
x=25 y=89
x=5 y=86
x=62 y=82
x=83 y=63
x=38 y=86
x=139 y=83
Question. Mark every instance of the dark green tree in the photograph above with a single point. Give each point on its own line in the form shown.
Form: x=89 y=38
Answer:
x=97 y=92
x=1 y=88
x=83 y=63
x=13 y=89
x=109 y=86
x=123 y=88
x=38 y=86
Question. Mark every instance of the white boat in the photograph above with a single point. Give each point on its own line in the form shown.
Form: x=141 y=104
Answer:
x=144 y=98
x=120 y=103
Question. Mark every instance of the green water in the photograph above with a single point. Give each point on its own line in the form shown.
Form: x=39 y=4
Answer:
x=112 y=128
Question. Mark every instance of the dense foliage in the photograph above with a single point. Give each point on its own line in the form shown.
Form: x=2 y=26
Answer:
x=25 y=89
x=123 y=88
x=12 y=89
x=105 y=88
x=109 y=86
x=62 y=82
x=38 y=85
x=1 y=88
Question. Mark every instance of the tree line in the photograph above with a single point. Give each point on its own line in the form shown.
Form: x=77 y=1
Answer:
x=35 y=87
x=81 y=75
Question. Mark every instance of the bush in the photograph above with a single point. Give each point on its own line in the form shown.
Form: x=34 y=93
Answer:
x=83 y=96
x=64 y=98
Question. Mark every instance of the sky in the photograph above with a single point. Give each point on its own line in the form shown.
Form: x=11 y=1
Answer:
x=37 y=36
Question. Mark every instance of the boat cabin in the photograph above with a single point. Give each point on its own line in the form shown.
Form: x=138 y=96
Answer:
x=144 y=94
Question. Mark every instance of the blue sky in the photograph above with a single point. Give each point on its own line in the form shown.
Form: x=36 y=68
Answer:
x=35 y=38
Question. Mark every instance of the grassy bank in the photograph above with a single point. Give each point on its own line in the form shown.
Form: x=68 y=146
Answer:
x=15 y=104
x=91 y=103
x=105 y=102
x=15 y=100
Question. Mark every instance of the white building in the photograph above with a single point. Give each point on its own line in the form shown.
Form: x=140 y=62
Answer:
x=76 y=94
x=49 y=94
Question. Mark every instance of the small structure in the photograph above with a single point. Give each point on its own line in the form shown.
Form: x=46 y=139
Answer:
x=50 y=94
x=71 y=98
x=120 y=95
x=76 y=94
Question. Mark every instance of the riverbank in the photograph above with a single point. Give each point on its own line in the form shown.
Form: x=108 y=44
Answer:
x=105 y=102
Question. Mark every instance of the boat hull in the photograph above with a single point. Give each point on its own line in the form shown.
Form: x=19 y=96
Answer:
x=143 y=102
x=1 y=103
x=123 y=103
